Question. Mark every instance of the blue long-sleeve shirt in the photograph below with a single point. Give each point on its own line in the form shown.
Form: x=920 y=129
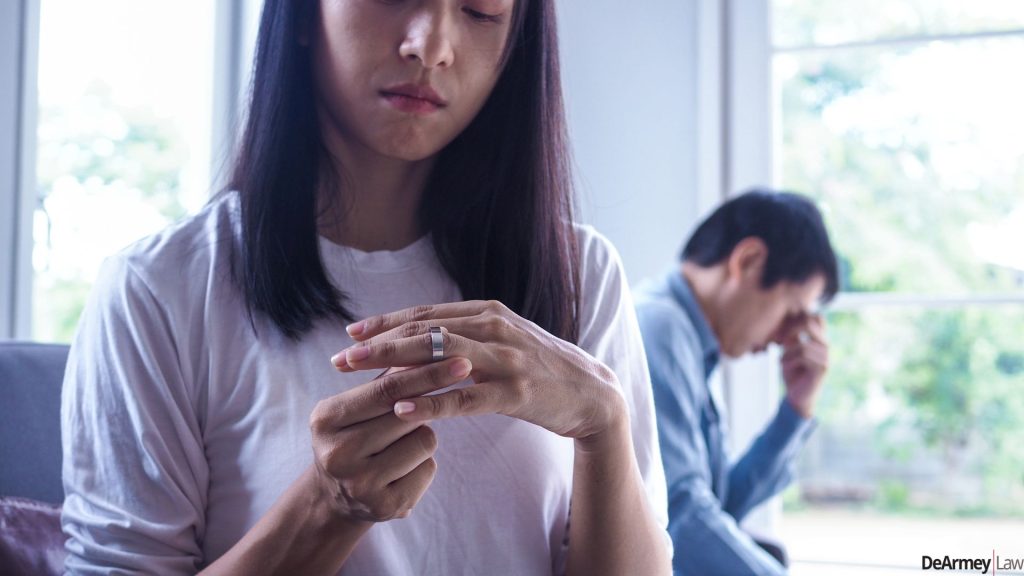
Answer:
x=708 y=497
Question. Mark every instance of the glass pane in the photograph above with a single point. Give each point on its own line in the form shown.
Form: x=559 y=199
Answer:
x=917 y=158
x=918 y=449
x=817 y=22
x=125 y=99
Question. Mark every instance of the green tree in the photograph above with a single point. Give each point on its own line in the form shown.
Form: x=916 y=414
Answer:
x=902 y=224
x=100 y=150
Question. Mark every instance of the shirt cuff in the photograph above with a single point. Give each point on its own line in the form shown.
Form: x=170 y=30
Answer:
x=789 y=426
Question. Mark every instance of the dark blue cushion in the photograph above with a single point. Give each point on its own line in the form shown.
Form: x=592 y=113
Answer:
x=30 y=382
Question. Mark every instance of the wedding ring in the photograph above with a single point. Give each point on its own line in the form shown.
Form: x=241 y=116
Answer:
x=436 y=343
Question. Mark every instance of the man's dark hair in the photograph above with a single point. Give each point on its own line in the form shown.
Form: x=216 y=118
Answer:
x=498 y=203
x=791 y=227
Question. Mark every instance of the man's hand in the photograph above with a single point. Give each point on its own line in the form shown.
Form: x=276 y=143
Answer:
x=804 y=361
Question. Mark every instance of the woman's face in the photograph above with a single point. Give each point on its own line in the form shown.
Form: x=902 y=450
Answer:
x=404 y=77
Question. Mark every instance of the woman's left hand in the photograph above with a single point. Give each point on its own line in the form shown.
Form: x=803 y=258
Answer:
x=519 y=369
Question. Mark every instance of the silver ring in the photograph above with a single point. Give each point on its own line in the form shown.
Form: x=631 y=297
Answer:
x=436 y=343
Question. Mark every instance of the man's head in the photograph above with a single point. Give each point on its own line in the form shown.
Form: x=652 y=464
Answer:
x=759 y=265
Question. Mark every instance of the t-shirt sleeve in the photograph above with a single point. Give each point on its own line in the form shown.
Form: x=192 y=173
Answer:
x=135 y=474
x=609 y=331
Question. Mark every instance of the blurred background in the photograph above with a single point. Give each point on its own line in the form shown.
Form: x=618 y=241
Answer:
x=904 y=119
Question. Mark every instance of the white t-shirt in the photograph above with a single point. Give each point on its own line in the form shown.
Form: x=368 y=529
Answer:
x=182 y=426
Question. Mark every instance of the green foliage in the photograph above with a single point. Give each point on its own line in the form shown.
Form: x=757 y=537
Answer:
x=98 y=141
x=901 y=220
x=60 y=307
x=893 y=496
x=109 y=160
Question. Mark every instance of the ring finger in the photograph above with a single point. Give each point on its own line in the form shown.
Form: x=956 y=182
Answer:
x=411 y=351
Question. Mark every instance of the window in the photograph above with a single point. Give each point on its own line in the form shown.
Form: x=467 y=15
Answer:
x=125 y=97
x=903 y=119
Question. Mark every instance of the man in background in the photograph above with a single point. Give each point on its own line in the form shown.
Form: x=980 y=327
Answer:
x=751 y=275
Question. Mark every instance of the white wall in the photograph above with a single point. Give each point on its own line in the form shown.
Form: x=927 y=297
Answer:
x=629 y=73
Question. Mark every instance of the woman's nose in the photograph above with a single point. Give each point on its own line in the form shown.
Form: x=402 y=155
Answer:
x=429 y=38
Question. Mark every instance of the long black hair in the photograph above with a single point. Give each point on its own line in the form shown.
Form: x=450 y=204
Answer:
x=499 y=201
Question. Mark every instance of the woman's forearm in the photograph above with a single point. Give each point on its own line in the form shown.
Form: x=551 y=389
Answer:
x=300 y=534
x=612 y=529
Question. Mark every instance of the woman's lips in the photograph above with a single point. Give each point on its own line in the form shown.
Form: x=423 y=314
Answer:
x=410 y=104
x=413 y=98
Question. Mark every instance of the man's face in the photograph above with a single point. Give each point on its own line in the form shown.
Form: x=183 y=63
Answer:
x=756 y=317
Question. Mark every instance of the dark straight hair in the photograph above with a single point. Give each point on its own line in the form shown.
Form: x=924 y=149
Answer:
x=789 y=224
x=499 y=202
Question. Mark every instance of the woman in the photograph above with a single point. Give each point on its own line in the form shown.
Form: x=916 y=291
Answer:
x=404 y=165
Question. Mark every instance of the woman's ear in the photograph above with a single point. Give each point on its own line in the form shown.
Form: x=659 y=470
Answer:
x=747 y=260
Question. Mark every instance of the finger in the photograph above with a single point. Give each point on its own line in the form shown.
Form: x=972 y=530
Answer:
x=791 y=339
x=795 y=346
x=346 y=451
x=791 y=352
x=375 y=325
x=794 y=324
x=479 y=327
x=409 y=330
x=410 y=351
x=405 y=331
x=816 y=329
x=406 y=453
x=377 y=434
x=411 y=487
x=817 y=357
x=378 y=396
x=814 y=351
x=806 y=361
x=482 y=328
x=469 y=401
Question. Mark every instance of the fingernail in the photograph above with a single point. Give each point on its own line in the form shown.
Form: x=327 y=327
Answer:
x=357 y=354
x=338 y=358
x=460 y=368
x=356 y=329
x=402 y=408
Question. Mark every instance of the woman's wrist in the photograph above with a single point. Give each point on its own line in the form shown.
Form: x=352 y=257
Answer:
x=615 y=427
x=302 y=533
x=324 y=516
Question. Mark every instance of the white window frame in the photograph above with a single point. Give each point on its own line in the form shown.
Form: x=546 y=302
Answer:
x=19 y=27
x=735 y=144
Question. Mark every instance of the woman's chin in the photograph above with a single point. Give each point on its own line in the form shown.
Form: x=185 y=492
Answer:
x=410 y=149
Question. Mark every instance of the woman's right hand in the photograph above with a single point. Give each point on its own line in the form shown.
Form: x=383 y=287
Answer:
x=371 y=466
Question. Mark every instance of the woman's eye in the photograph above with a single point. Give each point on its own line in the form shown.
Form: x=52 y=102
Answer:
x=481 y=17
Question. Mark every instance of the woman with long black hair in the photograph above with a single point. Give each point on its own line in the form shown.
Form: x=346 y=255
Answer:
x=386 y=348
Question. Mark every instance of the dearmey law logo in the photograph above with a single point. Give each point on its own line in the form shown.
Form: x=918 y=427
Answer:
x=992 y=565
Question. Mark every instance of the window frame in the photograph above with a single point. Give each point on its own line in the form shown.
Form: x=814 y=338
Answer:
x=19 y=27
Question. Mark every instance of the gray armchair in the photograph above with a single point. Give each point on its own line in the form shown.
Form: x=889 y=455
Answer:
x=31 y=491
